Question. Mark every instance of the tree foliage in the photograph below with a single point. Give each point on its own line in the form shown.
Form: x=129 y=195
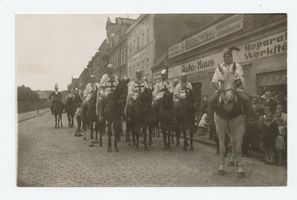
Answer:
x=27 y=95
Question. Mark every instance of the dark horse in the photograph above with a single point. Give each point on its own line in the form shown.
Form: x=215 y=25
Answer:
x=185 y=115
x=58 y=108
x=70 y=110
x=113 y=111
x=165 y=116
x=91 y=119
x=139 y=117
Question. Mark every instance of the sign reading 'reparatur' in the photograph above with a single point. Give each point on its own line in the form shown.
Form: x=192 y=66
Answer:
x=226 y=27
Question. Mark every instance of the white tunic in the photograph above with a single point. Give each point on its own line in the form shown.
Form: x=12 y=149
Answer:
x=239 y=73
x=108 y=84
x=160 y=87
x=180 y=91
x=136 y=87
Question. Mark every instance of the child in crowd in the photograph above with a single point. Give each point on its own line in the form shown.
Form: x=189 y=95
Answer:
x=269 y=130
x=280 y=138
x=203 y=126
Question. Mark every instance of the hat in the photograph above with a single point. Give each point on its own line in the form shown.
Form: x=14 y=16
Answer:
x=109 y=66
x=138 y=71
x=92 y=76
x=227 y=51
x=184 y=74
x=56 y=85
x=164 y=71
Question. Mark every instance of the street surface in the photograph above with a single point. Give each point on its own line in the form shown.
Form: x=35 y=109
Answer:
x=54 y=157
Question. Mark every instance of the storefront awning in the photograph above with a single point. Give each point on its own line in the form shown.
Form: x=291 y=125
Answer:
x=272 y=78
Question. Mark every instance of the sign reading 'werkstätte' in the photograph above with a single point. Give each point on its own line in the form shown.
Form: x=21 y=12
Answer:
x=224 y=28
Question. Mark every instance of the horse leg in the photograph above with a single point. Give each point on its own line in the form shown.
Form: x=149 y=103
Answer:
x=60 y=117
x=221 y=127
x=169 y=136
x=164 y=139
x=144 y=133
x=150 y=129
x=191 y=129
x=185 y=136
x=137 y=133
x=116 y=135
x=109 y=136
x=237 y=131
x=231 y=163
x=55 y=121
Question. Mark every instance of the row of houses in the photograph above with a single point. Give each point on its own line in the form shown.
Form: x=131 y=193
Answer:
x=192 y=43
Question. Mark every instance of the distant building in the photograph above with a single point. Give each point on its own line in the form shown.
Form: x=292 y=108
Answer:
x=117 y=43
x=152 y=34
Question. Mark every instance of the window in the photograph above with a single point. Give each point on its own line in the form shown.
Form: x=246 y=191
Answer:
x=147 y=35
x=137 y=43
x=142 y=39
x=133 y=48
x=130 y=49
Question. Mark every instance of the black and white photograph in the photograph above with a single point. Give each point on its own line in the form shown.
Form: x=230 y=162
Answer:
x=152 y=100
x=145 y=99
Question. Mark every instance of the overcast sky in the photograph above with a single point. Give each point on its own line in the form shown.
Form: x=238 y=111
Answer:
x=53 y=48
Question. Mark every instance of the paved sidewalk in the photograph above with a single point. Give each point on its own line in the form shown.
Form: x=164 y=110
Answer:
x=29 y=115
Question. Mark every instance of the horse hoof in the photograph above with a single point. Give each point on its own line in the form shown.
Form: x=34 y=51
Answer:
x=185 y=149
x=169 y=149
x=221 y=172
x=109 y=149
x=231 y=164
x=192 y=149
x=240 y=174
x=116 y=149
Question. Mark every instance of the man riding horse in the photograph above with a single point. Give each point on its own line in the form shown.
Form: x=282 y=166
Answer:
x=228 y=80
x=228 y=65
x=108 y=84
x=89 y=90
x=160 y=88
x=56 y=97
x=132 y=109
x=181 y=89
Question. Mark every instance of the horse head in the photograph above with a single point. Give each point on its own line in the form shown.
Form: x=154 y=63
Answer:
x=228 y=86
x=167 y=99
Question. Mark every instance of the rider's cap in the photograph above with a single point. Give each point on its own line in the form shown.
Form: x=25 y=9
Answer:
x=109 y=66
x=227 y=51
x=164 y=71
x=184 y=74
x=138 y=71
x=92 y=76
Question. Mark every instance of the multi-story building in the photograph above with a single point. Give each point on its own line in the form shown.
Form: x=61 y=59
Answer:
x=151 y=35
x=117 y=43
x=262 y=43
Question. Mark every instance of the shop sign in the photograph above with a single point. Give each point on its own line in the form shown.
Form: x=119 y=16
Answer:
x=222 y=29
x=268 y=46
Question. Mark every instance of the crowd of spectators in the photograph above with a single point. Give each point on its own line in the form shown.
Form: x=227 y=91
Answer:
x=266 y=131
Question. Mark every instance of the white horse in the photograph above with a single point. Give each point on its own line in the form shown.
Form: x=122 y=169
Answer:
x=228 y=118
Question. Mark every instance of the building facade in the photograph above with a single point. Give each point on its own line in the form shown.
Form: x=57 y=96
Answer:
x=262 y=43
x=117 y=43
x=150 y=37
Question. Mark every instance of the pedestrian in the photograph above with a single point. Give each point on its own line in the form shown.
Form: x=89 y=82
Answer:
x=269 y=130
x=269 y=101
x=203 y=126
x=280 y=144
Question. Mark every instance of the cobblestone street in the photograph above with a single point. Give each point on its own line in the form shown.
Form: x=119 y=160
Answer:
x=54 y=157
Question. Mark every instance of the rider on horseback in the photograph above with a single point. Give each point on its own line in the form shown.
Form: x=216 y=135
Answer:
x=160 y=88
x=108 y=84
x=135 y=88
x=182 y=88
x=229 y=65
x=89 y=90
x=57 y=96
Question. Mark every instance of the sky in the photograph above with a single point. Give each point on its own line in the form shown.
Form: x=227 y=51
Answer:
x=53 y=48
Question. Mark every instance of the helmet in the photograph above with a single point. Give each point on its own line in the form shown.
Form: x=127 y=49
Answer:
x=56 y=86
x=109 y=66
x=164 y=71
x=184 y=74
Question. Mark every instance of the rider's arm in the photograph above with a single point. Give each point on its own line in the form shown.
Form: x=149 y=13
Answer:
x=177 y=91
x=102 y=84
x=171 y=89
x=240 y=74
x=156 y=90
x=215 y=79
x=131 y=89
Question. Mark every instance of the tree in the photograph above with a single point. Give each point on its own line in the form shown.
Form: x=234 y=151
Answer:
x=26 y=94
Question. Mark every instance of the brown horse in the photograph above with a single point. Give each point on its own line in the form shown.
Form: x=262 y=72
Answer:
x=185 y=115
x=230 y=119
